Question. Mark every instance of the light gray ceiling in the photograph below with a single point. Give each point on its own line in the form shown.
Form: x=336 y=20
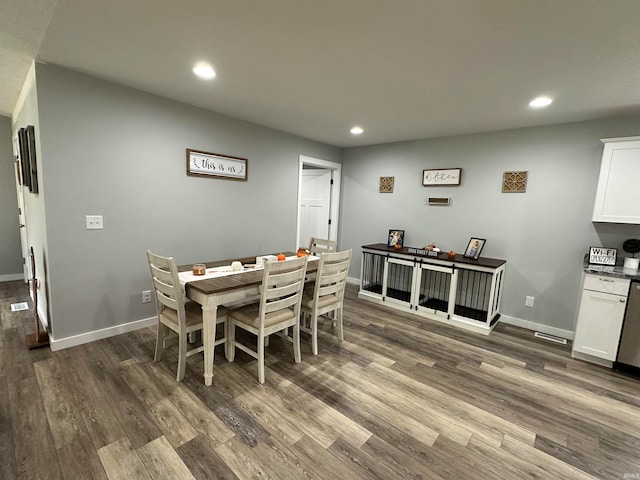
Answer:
x=401 y=69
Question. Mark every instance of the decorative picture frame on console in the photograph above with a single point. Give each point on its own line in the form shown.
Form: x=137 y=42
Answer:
x=474 y=248
x=396 y=237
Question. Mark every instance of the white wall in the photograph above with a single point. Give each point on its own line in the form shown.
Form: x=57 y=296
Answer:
x=114 y=151
x=543 y=233
x=10 y=252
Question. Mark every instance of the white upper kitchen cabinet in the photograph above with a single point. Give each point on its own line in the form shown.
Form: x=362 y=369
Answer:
x=618 y=193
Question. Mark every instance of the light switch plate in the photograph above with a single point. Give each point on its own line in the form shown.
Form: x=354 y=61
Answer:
x=94 y=222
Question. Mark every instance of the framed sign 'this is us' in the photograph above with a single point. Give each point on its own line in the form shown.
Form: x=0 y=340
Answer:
x=207 y=164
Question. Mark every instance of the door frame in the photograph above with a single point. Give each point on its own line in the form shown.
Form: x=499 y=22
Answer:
x=22 y=211
x=334 y=201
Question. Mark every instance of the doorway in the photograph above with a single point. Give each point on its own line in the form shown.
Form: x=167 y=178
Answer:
x=318 y=199
x=22 y=214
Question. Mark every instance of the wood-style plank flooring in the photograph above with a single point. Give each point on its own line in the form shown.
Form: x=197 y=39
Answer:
x=401 y=397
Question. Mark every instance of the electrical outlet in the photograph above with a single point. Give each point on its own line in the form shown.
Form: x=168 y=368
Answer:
x=146 y=296
x=94 y=222
x=528 y=302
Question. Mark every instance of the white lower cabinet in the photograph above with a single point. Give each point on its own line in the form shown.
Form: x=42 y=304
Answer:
x=600 y=317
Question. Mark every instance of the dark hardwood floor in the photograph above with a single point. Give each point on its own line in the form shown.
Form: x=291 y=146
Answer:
x=401 y=397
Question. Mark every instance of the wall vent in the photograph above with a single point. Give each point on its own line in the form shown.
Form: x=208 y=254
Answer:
x=551 y=338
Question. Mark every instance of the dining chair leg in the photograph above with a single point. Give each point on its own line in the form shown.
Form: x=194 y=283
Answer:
x=260 y=353
x=159 y=342
x=182 y=357
x=340 y=332
x=231 y=340
x=314 y=334
x=227 y=343
x=296 y=343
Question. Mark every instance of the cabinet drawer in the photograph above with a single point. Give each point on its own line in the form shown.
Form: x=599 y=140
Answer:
x=601 y=283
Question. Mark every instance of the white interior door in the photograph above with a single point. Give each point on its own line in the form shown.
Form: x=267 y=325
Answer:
x=318 y=199
x=22 y=216
x=315 y=203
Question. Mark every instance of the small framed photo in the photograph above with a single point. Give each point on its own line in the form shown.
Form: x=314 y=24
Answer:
x=474 y=248
x=396 y=237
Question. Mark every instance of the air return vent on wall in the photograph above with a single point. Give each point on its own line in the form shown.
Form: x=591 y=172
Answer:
x=439 y=200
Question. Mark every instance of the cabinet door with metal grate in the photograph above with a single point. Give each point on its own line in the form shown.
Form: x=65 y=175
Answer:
x=399 y=280
x=372 y=273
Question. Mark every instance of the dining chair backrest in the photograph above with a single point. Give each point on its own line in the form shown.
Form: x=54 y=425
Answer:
x=320 y=245
x=331 y=277
x=327 y=295
x=169 y=292
x=282 y=286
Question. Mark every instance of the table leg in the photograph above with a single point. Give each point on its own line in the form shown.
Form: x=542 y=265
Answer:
x=209 y=315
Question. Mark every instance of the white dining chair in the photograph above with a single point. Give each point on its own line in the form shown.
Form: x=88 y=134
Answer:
x=277 y=310
x=320 y=245
x=176 y=313
x=326 y=295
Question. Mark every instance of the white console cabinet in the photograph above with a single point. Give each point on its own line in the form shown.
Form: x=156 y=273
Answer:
x=617 y=198
x=600 y=317
x=458 y=291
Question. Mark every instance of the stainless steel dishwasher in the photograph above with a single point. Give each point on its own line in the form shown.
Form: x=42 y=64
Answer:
x=629 y=350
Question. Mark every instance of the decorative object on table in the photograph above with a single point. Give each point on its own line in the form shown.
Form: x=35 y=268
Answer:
x=260 y=260
x=281 y=257
x=206 y=164
x=302 y=252
x=435 y=177
x=396 y=237
x=199 y=269
x=451 y=254
x=39 y=337
x=602 y=255
x=397 y=246
x=631 y=246
x=386 y=184
x=514 y=182
x=474 y=248
x=432 y=250
x=236 y=266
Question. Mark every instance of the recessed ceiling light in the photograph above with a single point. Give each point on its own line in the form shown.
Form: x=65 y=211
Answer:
x=204 y=70
x=540 y=102
x=357 y=130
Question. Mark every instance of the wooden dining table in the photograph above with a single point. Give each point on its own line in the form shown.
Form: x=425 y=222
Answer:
x=227 y=290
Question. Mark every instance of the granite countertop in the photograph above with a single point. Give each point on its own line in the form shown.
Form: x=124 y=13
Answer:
x=617 y=271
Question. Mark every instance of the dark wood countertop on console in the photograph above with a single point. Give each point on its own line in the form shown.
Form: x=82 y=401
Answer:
x=442 y=256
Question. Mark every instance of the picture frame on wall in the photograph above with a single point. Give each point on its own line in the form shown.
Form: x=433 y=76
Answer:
x=396 y=237
x=439 y=177
x=216 y=165
x=474 y=248
x=24 y=157
x=33 y=164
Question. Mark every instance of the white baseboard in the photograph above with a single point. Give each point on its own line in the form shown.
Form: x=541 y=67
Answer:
x=12 y=277
x=537 y=327
x=354 y=281
x=59 y=344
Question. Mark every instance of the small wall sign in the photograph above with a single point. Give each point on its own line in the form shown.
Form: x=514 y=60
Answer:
x=208 y=164
x=602 y=256
x=433 y=177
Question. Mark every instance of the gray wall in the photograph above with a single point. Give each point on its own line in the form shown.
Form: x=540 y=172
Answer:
x=118 y=152
x=34 y=204
x=10 y=253
x=543 y=233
